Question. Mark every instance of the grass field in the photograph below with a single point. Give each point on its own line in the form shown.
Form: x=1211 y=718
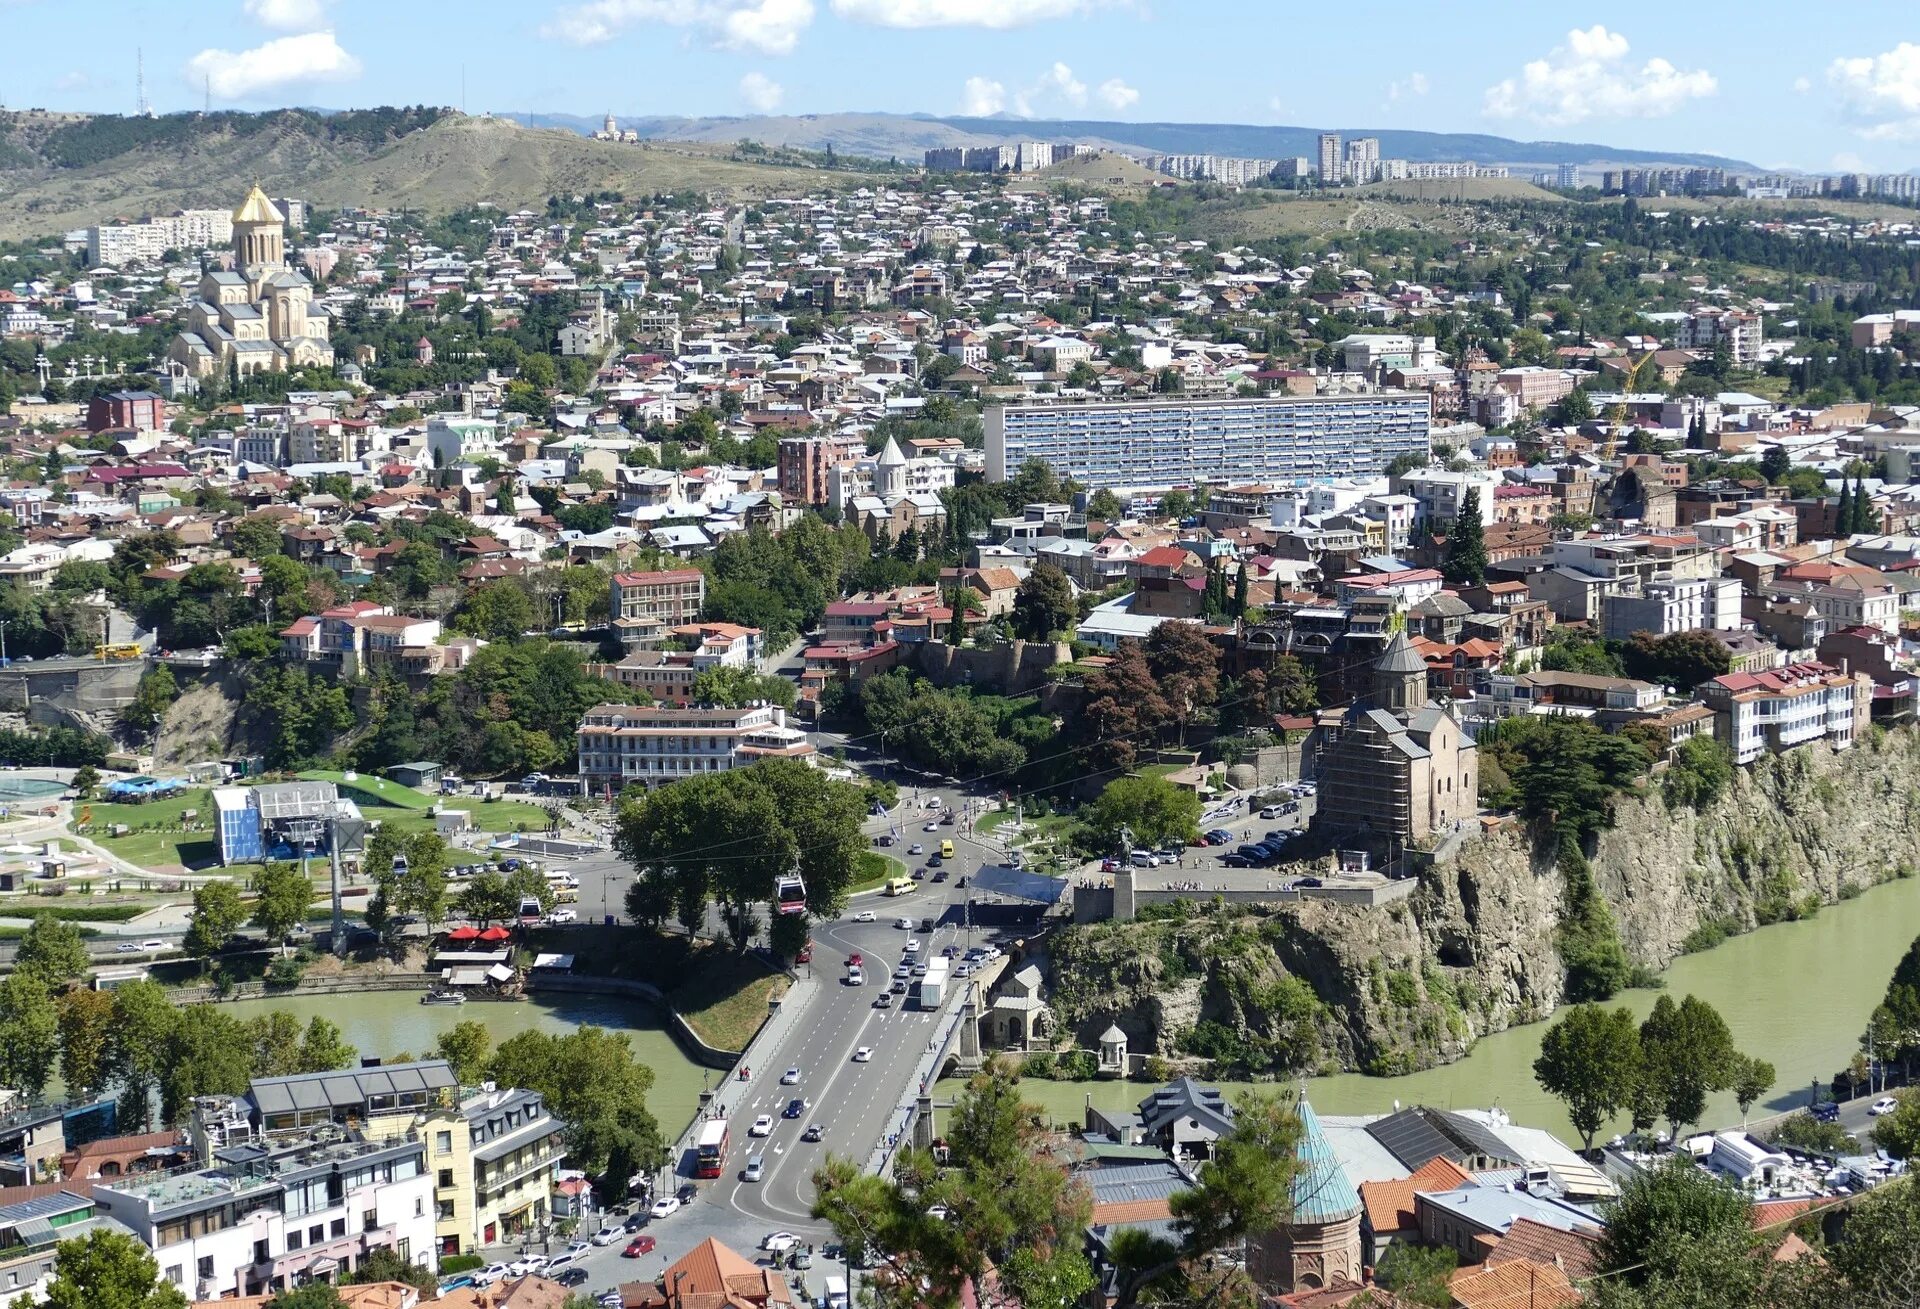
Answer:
x=725 y=1000
x=163 y=850
x=872 y=869
x=376 y=790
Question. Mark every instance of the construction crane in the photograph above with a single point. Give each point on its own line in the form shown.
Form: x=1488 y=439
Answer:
x=1630 y=382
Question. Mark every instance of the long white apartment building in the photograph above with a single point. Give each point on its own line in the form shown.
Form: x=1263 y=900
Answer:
x=1157 y=444
x=1776 y=710
x=622 y=744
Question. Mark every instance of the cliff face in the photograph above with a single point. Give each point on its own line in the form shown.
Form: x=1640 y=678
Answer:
x=1473 y=951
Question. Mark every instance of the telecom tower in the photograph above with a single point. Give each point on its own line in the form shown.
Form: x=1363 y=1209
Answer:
x=141 y=108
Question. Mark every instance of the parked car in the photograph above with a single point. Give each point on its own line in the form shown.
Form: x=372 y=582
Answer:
x=669 y=1205
x=1270 y=812
x=606 y=1235
x=778 y=1242
x=805 y=956
x=1827 y=1111
x=1236 y=861
x=572 y=1276
x=526 y=1265
x=490 y=1274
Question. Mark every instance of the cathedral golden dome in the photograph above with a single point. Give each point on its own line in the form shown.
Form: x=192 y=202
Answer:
x=256 y=208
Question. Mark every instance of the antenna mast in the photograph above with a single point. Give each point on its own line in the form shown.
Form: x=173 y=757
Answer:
x=140 y=106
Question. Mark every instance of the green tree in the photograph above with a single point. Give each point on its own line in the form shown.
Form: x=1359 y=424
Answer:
x=1898 y=1133
x=29 y=1034
x=314 y=1295
x=86 y=1039
x=592 y=1082
x=1877 y=1261
x=1590 y=1060
x=217 y=915
x=207 y=1052
x=108 y=1270
x=1043 y=604
x=1686 y=1055
x=143 y=1022
x=1150 y=807
x=384 y=1264
x=86 y=780
x=1701 y=772
x=723 y=685
x=282 y=896
x=1669 y=1223
x=466 y=1045
x=1418 y=1273
x=53 y=951
x=1466 y=557
x=1104 y=506
x=323 y=1049
x=1752 y=1079
x=486 y=898
x=151 y=699
x=1775 y=463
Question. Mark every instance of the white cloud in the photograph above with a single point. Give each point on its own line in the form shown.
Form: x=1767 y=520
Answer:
x=1882 y=92
x=1056 y=86
x=768 y=27
x=288 y=15
x=1847 y=162
x=1802 y=85
x=1116 y=94
x=957 y=13
x=77 y=80
x=1590 y=77
x=761 y=92
x=983 y=96
x=281 y=62
x=1410 y=87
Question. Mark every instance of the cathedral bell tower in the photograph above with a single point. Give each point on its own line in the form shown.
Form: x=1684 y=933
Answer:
x=259 y=237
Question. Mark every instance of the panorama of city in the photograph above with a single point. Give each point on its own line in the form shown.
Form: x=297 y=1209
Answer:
x=958 y=654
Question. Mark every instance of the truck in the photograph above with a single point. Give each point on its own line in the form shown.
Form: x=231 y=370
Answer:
x=933 y=987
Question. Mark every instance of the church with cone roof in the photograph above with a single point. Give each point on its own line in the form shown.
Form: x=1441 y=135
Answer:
x=258 y=315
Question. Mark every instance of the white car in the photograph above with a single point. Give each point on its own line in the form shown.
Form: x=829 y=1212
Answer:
x=931 y=827
x=154 y=944
x=577 y=1247
x=779 y=1242
x=1886 y=1104
x=666 y=1206
x=864 y=916
x=563 y=916
x=489 y=1275
x=863 y=1054
x=904 y=924
x=762 y=1126
x=790 y=1078
x=526 y=1265
x=607 y=1235
x=912 y=947
x=917 y=848
x=756 y=1169
x=127 y=947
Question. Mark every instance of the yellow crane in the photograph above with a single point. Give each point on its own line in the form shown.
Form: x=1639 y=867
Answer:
x=1630 y=382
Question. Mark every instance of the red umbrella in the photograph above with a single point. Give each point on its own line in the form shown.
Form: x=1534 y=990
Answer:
x=463 y=933
x=495 y=933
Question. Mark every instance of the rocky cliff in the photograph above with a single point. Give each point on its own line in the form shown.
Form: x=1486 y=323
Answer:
x=1474 y=950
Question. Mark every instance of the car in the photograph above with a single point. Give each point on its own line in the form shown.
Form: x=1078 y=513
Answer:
x=154 y=943
x=814 y=1132
x=578 y=1247
x=934 y=860
x=899 y=987
x=606 y=1235
x=932 y=827
x=883 y=1001
x=790 y=1078
x=610 y=1299
x=939 y=874
x=911 y=947
x=963 y=970
x=856 y=959
x=1236 y=861
x=805 y=956
x=1144 y=859
x=755 y=1170
x=947 y=821
x=863 y=1055
x=509 y=865
x=635 y=1222
x=1220 y=836
x=904 y=970
x=127 y=946
x=916 y=848
x=919 y=874
x=687 y=1193
x=864 y=916
x=568 y=916
x=795 y=1107
x=526 y=1265
x=1886 y=1104
x=762 y=1126
x=903 y=923
x=489 y=1275
x=669 y=1205
x=1827 y=1111
x=572 y=1277
x=855 y=977
x=1109 y=865
x=1309 y=881
x=919 y=970
x=639 y=1245
x=778 y=1242
x=1270 y=812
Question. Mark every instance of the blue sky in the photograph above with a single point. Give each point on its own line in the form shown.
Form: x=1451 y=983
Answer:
x=1782 y=85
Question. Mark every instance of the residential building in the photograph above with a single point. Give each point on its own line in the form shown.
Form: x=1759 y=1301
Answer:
x=644 y=606
x=452 y=438
x=711 y=1276
x=1666 y=607
x=1329 y=163
x=669 y=675
x=623 y=744
x=1776 y=710
x=1166 y=443
x=31 y=1230
x=1706 y=327
x=142 y=411
x=805 y=463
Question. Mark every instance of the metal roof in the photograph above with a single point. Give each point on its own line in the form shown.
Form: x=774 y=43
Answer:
x=996 y=879
x=1321 y=1191
x=342 y=1090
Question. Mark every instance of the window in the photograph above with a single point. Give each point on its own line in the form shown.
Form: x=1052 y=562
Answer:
x=204 y=1270
x=173 y=1274
x=419 y=1206
x=260 y=1254
x=340 y=1227
x=316 y=1234
x=443 y=1142
x=294 y=1239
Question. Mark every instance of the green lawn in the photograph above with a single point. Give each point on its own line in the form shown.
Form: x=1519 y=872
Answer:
x=725 y=1000
x=488 y=815
x=377 y=790
x=59 y=906
x=155 y=849
x=872 y=869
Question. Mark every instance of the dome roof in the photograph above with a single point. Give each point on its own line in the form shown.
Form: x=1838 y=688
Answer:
x=1321 y=1191
x=256 y=208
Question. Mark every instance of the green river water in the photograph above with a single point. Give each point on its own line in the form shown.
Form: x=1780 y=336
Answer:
x=1797 y=994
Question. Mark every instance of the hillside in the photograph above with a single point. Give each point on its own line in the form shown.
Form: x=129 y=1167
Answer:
x=883 y=136
x=63 y=172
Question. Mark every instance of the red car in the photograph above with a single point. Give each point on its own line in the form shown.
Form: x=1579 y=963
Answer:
x=806 y=954
x=854 y=960
x=638 y=1246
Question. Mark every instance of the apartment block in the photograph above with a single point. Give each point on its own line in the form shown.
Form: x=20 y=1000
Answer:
x=1666 y=607
x=1782 y=708
x=1159 y=444
x=806 y=462
x=621 y=745
x=645 y=605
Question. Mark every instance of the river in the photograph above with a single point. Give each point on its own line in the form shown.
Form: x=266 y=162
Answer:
x=1796 y=994
x=382 y=1023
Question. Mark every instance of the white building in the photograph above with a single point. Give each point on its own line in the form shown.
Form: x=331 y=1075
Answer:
x=1781 y=708
x=451 y=439
x=622 y=744
x=1666 y=607
x=1440 y=493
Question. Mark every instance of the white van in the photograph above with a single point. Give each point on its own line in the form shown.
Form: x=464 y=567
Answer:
x=836 y=1294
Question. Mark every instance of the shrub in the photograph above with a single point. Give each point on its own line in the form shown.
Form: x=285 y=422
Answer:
x=1078 y=1066
x=1039 y=1064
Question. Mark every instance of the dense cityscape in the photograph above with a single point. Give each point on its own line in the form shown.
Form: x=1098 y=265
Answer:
x=1050 y=713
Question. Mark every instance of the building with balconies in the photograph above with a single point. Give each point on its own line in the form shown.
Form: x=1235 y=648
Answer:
x=1783 y=708
x=652 y=745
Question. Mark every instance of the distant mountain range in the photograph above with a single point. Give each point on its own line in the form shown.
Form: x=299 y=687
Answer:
x=906 y=136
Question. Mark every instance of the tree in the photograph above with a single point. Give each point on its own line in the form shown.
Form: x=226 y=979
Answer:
x=207 y=1052
x=143 y=1021
x=156 y=691
x=283 y=894
x=1775 y=463
x=314 y=1295
x=1186 y=665
x=323 y=1049
x=108 y=1270
x=1752 y=1079
x=86 y=779
x=1877 y=1261
x=1043 y=604
x=592 y=1082
x=1418 y=1273
x=1660 y=1213
x=1898 y=1133
x=1687 y=1054
x=384 y=1264
x=1104 y=506
x=736 y=686
x=487 y=898
x=53 y=951
x=1701 y=772
x=1679 y=659
x=1151 y=808
x=1466 y=557
x=465 y=1046
x=217 y=915
x=86 y=1039
x=29 y=1034
x=1590 y=1060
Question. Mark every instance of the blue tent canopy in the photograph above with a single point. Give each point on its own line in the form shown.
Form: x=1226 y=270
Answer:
x=997 y=879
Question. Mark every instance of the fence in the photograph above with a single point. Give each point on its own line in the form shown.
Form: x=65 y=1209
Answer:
x=920 y=1086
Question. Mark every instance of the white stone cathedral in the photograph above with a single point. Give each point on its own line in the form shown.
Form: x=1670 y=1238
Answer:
x=258 y=316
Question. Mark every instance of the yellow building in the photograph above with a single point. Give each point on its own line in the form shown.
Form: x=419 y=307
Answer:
x=258 y=315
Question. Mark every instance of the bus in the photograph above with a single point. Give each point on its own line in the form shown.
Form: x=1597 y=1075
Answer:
x=898 y=886
x=710 y=1151
x=123 y=650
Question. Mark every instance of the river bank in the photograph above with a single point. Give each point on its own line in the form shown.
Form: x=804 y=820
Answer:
x=1797 y=994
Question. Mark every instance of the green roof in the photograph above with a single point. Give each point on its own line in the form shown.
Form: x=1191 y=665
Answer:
x=1321 y=1191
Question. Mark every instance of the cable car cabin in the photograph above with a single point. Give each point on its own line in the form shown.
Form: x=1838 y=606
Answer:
x=790 y=894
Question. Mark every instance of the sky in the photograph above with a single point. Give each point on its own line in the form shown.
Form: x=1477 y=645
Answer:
x=1792 y=86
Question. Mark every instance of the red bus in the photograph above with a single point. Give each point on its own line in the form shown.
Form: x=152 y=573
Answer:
x=710 y=1152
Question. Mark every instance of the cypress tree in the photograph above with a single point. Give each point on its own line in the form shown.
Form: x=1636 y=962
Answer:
x=1843 y=512
x=1466 y=558
x=1865 y=519
x=1240 y=592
